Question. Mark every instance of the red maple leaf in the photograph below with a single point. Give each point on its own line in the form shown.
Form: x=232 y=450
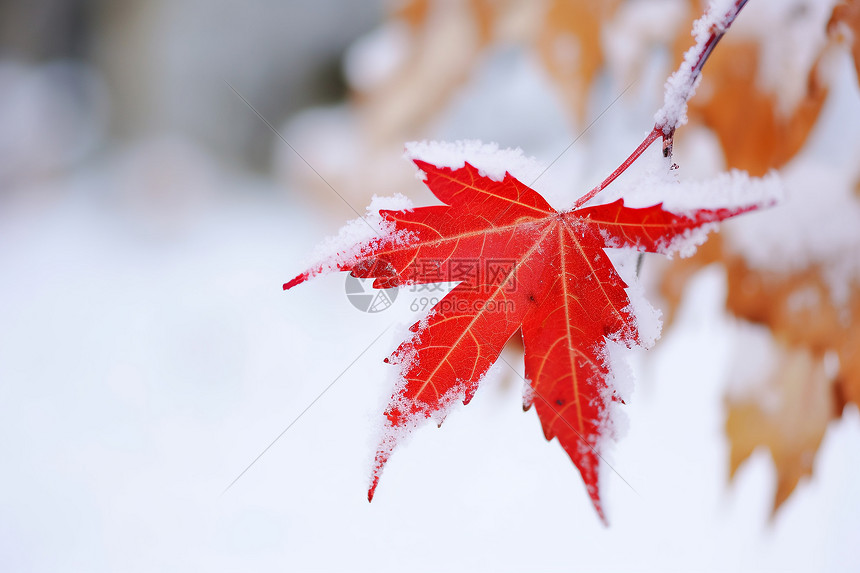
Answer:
x=522 y=266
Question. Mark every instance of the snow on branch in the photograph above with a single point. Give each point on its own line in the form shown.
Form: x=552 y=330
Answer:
x=681 y=85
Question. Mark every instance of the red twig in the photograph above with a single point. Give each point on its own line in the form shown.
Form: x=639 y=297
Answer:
x=680 y=87
x=655 y=133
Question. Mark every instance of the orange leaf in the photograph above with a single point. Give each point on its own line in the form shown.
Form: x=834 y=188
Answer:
x=754 y=134
x=789 y=417
x=845 y=25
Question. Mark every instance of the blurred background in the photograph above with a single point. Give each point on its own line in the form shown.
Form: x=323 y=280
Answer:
x=149 y=215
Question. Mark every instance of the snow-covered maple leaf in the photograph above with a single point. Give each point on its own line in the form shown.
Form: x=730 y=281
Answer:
x=521 y=266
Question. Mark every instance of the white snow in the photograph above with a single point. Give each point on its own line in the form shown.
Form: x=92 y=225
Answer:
x=730 y=189
x=649 y=321
x=618 y=354
x=490 y=161
x=621 y=382
x=528 y=393
x=649 y=182
x=817 y=225
x=359 y=236
x=681 y=85
x=784 y=59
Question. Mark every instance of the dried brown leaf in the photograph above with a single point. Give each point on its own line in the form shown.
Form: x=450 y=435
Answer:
x=812 y=330
x=754 y=134
x=789 y=417
x=844 y=25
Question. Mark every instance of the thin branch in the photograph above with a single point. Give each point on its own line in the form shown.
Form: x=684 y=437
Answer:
x=680 y=87
x=655 y=133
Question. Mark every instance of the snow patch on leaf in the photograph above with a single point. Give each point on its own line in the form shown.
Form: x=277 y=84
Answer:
x=490 y=161
x=619 y=387
x=681 y=85
x=648 y=319
x=685 y=244
x=528 y=394
x=785 y=58
x=815 y=227
x=360 y=237
x=651 y=182
x=729 y=190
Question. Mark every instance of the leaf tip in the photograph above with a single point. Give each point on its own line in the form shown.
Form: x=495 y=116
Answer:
x=382 y=455
x=594 y=494
x=296 y=281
